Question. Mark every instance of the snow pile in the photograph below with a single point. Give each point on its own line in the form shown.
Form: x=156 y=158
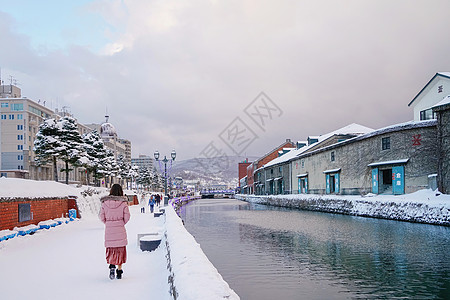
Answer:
x=424 y=206
x=194 y=276
x=24 y=188
x=88 y=198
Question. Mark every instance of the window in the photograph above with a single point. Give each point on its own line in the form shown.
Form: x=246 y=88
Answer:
x=4 y=104
x=20 y=157
x=4 y=175
x=3 y=117
x=11 y=117
x=24 y=212
x=303 y=163
x=271 y=171
x=19 y=117
x=17 y=106
x=386 y=143
x=427 y=114
x=332 y=156
x=20 y=137
x=19 y=127
x=19 y=147
x=280 y=169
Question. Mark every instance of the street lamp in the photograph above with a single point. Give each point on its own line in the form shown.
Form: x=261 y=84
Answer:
x=173 y=155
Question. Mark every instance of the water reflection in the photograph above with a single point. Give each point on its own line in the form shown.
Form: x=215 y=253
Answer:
x=274 y=253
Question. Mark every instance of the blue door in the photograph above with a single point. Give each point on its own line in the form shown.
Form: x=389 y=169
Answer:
x=328 y=184
x=375 y=181
x=398 y=180
x=336 y=183
x=300 y=186
x=306 y=185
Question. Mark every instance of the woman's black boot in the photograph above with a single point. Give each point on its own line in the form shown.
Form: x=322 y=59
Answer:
x=112 y=270
x=119 y=274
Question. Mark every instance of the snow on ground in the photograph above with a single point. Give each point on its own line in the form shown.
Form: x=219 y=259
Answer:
x=68 y=261
x=424 y=206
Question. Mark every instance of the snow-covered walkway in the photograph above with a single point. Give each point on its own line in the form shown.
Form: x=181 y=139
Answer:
x=68 y=262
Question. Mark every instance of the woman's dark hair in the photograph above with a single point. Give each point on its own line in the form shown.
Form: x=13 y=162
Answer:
x=116 y=190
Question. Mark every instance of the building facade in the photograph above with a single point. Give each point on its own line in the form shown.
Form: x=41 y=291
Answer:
x=20 y=118
x=143 y=161
x=393 y=160
x=19 y=123
x=433 y=92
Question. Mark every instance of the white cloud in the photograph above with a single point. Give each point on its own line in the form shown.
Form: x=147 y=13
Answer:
x=176 y=74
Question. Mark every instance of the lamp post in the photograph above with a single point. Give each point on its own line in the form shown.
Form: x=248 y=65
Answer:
x=173 y=155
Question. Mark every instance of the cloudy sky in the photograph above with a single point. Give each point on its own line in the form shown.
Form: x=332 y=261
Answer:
x=188 y=75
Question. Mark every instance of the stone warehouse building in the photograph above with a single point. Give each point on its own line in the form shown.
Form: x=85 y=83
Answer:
x=398 y=159
x=394 y=160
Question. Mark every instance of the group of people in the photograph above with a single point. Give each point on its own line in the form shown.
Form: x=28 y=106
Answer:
x=114 y=213
x=155 y=199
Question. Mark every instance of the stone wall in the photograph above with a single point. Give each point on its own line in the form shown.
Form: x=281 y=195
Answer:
x=366 y=207
x=443 y=137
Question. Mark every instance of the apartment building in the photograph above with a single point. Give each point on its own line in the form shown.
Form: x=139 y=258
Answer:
x=143 y=161
x=20 y=118
x=19 y=121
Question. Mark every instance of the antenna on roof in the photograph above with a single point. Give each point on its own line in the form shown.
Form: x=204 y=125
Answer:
x=106 y=116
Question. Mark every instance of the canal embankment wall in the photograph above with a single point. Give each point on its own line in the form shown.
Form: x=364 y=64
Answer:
x=425 y=206
x=191 y=275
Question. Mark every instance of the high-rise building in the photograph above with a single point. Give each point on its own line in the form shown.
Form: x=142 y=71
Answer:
x=143 y=161
x=20 y=118
x=127 y=145
x=19 y=124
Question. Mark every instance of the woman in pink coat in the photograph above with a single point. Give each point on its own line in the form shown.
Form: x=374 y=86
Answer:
x=115 y=214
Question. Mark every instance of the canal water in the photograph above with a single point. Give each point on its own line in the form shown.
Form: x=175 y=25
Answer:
x=266 y=252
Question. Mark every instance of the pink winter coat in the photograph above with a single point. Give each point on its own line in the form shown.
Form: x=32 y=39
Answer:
x=115 y=214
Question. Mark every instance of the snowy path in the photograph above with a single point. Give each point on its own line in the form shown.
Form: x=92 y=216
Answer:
x=67 y=262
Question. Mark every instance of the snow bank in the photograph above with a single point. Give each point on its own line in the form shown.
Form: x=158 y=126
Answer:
x=24 y=188
x=194 y=276
x=88 y=197
x=424 y=206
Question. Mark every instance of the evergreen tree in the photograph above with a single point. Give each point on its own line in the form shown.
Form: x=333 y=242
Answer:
x=71 y=149
x=124 y=168
x=144 y=177
x=133 y=174
x=47 y=144
x=107 y=167
x=95 y=154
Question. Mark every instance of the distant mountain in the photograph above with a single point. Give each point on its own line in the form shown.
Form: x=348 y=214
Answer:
x=210 y=171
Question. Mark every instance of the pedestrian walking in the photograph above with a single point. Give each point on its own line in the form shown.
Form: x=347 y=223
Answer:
x=142 y=204
x=151 y=203
x=114 y=213
x=158 y=199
